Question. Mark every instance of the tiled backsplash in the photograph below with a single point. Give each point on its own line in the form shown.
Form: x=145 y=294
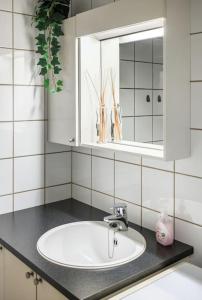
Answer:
x=150 y=186
x=32 y=171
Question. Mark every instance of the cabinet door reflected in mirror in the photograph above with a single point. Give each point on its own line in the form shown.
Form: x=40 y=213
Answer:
x=141 y=91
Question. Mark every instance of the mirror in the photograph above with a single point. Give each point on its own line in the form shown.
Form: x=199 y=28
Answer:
x=141 y=90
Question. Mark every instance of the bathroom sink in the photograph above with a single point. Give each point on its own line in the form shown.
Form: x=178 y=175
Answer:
x=90 y=245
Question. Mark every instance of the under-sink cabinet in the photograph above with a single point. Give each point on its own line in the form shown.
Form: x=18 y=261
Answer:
x=18 y=281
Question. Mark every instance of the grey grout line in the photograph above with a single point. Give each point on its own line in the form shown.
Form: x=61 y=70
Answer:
x=13 y=112
x=141 y=182
x=39 y=154
x=18 y=49
x=21 y=85
x=91 y=182
x=71 y=173
x=174 y=200
x=114 y=187
x=15 y=12
x=45 y=137
x=18 y=121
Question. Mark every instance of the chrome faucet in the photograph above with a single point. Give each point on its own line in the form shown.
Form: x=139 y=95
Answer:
x=119 y=220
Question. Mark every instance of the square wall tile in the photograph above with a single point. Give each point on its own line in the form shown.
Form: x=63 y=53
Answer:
x=196 y=105
x=192 y=235
x=102 y=201
x=6 y=176
x=26 y=39
x=29 y=103
x=58 y=168
x=24 y=6
x=28 y=199
x=157 y=76
x=127 y=51
x=81 y=169
x=6 y=5
x=26 y=69
x=82 y=150
x=6 y=74
x=98 y=3
x=103 y=175
x=157 y=128
x=58 y=193
x=6 y=138
x=81 y=194
x=143 y=129
x=143 y=75
x=158 y=190
x=6 y=204
x=193 y=164
x=103 y=153
x=28 y=138
x=128 y=128
x=53 y=147
x=28 y=173
x=127 y=102
x=6 y=103
x=158 y=50
x=79 y=6
x=158 y=164
x=196 y=61
x=143 y=51
x=149 y=218
x=128 y=182
x=157 y=102
x=133 y=211
x=188 y=200
x=6 y=31
x=127 y=74
x=143 y=102
x=196 y=21
x=128 y=157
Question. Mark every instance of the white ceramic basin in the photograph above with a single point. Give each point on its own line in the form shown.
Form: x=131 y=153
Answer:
x=90 y=245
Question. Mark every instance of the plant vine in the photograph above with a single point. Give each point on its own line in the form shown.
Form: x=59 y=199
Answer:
x=48 y=20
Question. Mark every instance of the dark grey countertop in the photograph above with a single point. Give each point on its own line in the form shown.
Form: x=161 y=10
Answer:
x=20 y=231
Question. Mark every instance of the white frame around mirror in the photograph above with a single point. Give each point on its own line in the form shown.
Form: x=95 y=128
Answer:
x=173 y=16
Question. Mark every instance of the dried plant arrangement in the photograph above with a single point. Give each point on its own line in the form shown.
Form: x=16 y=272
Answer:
x=116 y=130
x=102 y=111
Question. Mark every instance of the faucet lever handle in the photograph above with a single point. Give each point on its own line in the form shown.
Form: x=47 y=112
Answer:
x=120 y=210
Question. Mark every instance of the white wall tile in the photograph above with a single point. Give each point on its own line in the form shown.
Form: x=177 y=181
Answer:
x=6 y=177
x=58 y=168
x=196 y=61
x=103 y=153
x=82 y=150
x=6 y=29
x=143 y=129
x=127 y=74
x=6 y=5
x=188 y=200
x=28 y=173
x=149 y=218
x=133 y=211
x=158 y=50
x=81 y=169
x=26 y=38
x=157 y=76
x=29 y=103
x=143 y=75
x=142 y=106
x=79 y=6
x=196 y=105
x=143 y=51
x=128 y=182
x=6 y=204
x=6 y=140
x=157 y=128
x=158 y=190
x=28 y=138
x=157 y=163
x=127 y=51
x=193 y=164
x=157 y=106
x=6 y=73
x=196 y=21
x=26 y=69
x=28 y=199
x=127 y=102
x=103 y=175
x=6 y=103
x=102 y=201
x=53 y=147
x=58 y=193
x=128 y=128
x=24 y=6
x=128 y=157
x=192 y=235
x=81 y=194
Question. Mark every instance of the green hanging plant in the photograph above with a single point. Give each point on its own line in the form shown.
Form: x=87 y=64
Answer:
x=48 y=19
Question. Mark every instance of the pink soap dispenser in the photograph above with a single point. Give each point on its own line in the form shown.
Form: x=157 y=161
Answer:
x=164 y=230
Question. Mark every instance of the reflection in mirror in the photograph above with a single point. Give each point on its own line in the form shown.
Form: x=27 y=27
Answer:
x=141 y=90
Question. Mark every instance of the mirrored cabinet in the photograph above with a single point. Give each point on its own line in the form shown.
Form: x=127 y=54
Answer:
x=132 y=74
